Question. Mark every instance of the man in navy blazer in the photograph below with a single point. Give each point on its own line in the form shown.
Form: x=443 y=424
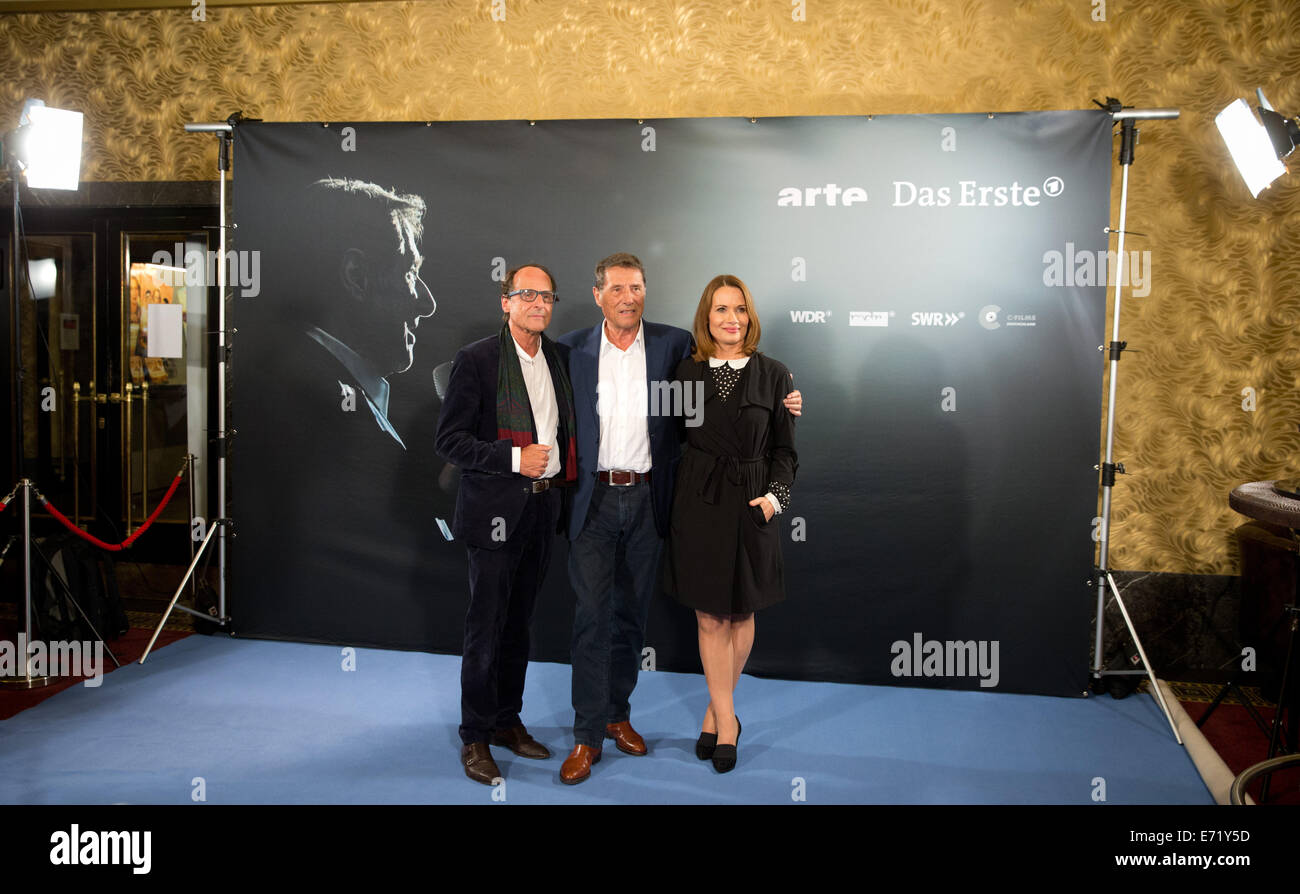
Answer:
x=507 y=422
x=628 y=448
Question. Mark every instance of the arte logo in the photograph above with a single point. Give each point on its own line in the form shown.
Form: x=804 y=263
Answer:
x=937 y=318
x=830 y=194
x=869 y=317
x=973 y=194
x=809 y=316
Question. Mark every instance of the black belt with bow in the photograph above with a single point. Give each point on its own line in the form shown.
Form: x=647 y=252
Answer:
x=724 y=466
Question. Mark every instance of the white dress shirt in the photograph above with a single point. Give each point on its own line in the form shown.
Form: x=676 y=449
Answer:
x=546 y=412
x=622 y=401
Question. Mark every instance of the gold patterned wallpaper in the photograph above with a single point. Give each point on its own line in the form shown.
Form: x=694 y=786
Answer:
x=1224 y=302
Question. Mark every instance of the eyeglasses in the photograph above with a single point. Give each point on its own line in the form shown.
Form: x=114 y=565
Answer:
x=531 y=295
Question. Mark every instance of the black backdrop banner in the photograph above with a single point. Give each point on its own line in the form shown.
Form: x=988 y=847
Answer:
x=936 y=284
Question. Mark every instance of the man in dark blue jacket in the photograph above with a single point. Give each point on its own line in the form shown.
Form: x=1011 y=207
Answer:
x=628 y=448
x=508 y=423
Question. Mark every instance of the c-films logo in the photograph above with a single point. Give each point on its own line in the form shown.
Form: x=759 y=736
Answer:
x=992 y=317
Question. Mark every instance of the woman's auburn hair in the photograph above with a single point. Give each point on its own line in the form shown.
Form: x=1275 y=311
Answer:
x=705 y=347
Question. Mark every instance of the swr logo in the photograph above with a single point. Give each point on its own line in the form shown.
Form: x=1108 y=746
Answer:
x=809 y=316
x=936 y=318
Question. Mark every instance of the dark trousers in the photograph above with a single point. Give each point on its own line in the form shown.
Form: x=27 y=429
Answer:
x=503 y=585
x=613 y=565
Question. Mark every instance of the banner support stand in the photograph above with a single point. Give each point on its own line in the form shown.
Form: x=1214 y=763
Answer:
x=1128 y=142
x=224 y=133
x=180 y=588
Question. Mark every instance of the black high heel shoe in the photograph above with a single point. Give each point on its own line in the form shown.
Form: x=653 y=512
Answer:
x=705 y=744
x=724 y=756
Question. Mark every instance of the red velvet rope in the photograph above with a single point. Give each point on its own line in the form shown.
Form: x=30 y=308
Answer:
x=116 y=547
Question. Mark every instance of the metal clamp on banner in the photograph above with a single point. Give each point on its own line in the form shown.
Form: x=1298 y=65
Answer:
x=228 y=524
x=1108 y=471
x=221 y=444
x=220 y=346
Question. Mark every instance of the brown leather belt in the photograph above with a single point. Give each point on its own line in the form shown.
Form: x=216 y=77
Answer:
x=622 y=477
x=541 y=485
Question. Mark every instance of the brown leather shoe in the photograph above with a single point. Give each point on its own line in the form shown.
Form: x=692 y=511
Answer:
x=577 y=766
x=521 y=743
x=479 y=766
x=628 y=740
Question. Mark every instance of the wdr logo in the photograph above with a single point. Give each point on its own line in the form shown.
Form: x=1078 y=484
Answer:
x=809 y=316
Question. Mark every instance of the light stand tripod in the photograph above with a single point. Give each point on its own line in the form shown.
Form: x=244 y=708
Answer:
x=1104 y=579
x=25 y=679
x=224 y=133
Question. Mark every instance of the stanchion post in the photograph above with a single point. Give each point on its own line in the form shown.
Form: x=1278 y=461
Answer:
x=189 y=472
x=128 y=402
x=76 y=453
x=144 y=449
x=27 y=570
x=26 y=680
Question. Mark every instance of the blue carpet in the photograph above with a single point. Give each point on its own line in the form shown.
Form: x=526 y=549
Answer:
x=282 y=723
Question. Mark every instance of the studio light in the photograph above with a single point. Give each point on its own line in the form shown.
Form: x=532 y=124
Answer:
x=42 y=277
x=1258 y=145
x=47 y=146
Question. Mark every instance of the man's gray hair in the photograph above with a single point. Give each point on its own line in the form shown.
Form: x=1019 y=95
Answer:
x=405 y=210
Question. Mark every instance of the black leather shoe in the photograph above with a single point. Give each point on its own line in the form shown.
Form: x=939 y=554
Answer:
x=725 y=756
x=521 y=743
x=705 y=744
x=479 y=766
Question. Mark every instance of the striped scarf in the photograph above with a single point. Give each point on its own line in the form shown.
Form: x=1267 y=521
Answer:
x=515 y=413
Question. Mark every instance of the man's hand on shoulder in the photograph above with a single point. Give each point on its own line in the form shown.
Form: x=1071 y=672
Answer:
x=794 y=401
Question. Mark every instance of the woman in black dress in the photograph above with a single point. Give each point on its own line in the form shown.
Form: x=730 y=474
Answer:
x=724 y=549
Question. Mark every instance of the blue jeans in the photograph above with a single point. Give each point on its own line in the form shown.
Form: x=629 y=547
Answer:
x=613 y=565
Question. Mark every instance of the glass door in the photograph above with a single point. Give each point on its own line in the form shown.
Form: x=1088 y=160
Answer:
x=163 y=374
x=56 y=290
x=113 y=321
